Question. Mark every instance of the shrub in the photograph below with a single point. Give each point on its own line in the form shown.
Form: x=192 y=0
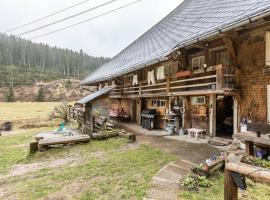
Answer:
x=61 y=112
x=40 y=96
x=194 y=182
x=10 y=95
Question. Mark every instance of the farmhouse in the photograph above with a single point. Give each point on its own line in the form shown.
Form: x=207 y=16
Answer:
x=206 y=65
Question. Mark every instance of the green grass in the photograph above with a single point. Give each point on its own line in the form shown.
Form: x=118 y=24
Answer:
x=104 y=170
x=255 y=191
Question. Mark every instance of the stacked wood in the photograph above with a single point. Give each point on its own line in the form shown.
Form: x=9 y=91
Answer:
x=100 y=124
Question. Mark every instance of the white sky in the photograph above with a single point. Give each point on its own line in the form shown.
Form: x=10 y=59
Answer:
x=105 y=36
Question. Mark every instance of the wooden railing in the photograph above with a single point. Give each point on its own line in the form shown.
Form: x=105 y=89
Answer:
x=216 y=78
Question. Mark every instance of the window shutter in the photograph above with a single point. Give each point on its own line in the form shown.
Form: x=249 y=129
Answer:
x=267 y=48
x=268 y=104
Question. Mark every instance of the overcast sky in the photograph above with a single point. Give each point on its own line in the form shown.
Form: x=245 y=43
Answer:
x=105 y=36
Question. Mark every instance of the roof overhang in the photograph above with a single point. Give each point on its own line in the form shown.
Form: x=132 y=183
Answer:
x=94 y=95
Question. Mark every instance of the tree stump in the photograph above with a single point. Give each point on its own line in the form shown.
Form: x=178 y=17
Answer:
x=33 y=146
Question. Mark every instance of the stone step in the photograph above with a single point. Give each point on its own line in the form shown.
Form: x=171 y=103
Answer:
x=169 y=176
x=176 y=169
x=184 y=164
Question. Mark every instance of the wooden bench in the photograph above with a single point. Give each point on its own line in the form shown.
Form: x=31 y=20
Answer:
x=63 y=140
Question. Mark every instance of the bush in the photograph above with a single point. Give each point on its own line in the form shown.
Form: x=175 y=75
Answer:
x=61 y=112
x=194 y=182
x=10 y=95
x=40 y=96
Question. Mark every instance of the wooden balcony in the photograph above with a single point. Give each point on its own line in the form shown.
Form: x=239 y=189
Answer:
x=217 y=79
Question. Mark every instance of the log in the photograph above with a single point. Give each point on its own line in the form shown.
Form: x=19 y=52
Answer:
x=252 y=172
x=33 y=146
x=103 y=136
x=129 y=136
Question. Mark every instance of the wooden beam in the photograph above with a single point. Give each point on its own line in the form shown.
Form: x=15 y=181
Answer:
x=255 y=173
x=194 y=85
x=194 y=79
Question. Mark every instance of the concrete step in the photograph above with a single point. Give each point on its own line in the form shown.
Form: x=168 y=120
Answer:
x=184 y=164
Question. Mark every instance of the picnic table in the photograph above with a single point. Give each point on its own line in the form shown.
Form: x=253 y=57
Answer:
x=250 y=138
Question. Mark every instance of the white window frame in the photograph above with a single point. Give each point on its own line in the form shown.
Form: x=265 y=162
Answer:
x=200 y=60
x=194 y=101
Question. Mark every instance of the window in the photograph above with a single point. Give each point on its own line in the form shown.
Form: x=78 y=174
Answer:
x=158 y=103
x=221 y=57
x=200 y=100
x=198 y=62
x=267 y=49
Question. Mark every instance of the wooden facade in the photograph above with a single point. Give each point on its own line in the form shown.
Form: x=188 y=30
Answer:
x=227 y=73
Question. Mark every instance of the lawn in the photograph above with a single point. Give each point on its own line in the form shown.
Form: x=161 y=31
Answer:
x=25 y=110
x=111 y=169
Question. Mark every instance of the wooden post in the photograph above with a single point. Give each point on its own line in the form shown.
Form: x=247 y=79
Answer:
x=220 y=78
x=168 y=85
x=187 y=121
x=140 y=89
x=230 y=188
x=249 y=148
x=212 y=115
x=235 y=115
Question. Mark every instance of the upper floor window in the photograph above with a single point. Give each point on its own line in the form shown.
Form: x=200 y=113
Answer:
x=220 y=57
x=198 y=62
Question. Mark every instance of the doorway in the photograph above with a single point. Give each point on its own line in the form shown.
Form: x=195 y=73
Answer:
x=224 y=116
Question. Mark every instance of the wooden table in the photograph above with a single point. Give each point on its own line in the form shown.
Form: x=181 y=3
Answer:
x=250 y=138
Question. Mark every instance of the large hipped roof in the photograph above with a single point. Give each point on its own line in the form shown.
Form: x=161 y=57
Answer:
x=191 y=20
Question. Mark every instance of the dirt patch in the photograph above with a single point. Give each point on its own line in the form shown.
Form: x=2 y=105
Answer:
x=130 y=146
x=70 y=191
x=22 y=169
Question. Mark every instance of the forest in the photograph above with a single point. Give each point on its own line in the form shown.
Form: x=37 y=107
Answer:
x=23 y=62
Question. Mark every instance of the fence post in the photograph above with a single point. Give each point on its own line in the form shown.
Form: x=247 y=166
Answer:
x=230 y=188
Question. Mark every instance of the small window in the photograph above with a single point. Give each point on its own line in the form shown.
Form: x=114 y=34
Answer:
x=200 y=100
x=198 y=62
x=158 y=103
x=221 y=57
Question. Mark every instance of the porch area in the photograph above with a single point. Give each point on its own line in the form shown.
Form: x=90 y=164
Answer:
x=175 y=144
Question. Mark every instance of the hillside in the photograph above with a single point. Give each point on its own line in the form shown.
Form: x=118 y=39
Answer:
x=59 y=90
x=24 y=62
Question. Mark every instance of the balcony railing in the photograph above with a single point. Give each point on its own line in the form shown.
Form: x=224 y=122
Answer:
x=216 y=79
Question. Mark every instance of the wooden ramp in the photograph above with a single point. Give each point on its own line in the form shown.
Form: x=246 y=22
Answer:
x=63 y=140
